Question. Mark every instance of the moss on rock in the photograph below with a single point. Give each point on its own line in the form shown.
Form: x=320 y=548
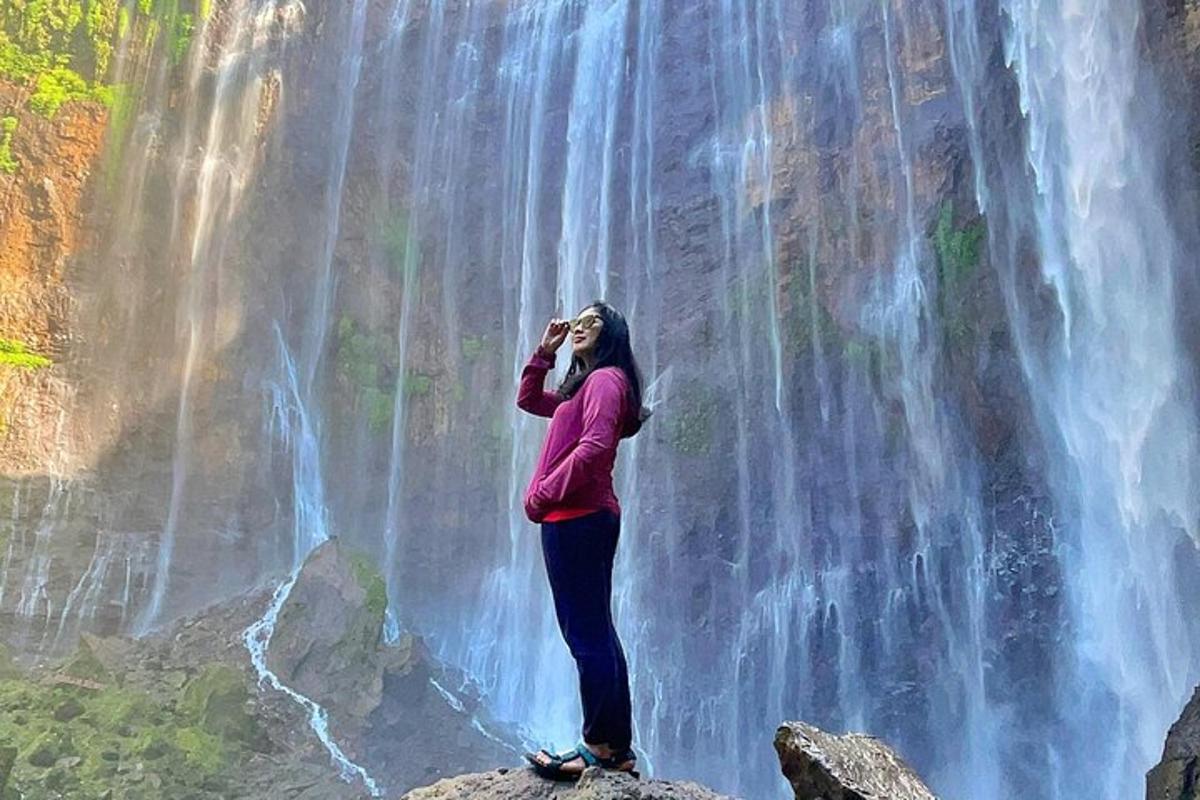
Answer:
x=371 y=581
x=216 y=701
x=73 y=741
x=17 y=354
x=87 y=666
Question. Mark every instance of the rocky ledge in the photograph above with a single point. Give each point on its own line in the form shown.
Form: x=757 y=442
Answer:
x=594 y=784
x=820 y=766
x=181 y=713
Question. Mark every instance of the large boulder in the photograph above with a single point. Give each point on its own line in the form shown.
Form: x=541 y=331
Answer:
x=388 y=705
x=1177 y=776
x=326 y=643
x=822 y=766
x=524 y=784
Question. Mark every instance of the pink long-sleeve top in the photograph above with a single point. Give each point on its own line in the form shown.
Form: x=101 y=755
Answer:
x=574 y=471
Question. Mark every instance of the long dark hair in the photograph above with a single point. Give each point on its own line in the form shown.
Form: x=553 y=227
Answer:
x=612 y=349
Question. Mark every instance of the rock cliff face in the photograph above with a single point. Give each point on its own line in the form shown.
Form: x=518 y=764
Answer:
x=45 y=196
x=389 y=706
x=1177 y=776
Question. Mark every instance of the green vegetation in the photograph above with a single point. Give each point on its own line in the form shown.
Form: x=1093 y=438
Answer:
x=8 y=164
x=215 y=700
x=802 y=318
x=122 y=104
x=372 y=582
x=958 y=250
x=473 y=347
x=16 y=354
x=63 y=49
x=691 y=427
x=60 y=85
x=201 y=750
x=806 y=321
x=417 y=384
x=366 y=363
x=393 y=237
x=73 y=741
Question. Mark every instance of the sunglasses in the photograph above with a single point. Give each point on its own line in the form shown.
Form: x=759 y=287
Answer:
x=584 y=322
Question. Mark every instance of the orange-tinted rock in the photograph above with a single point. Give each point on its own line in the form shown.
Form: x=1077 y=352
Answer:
x=42 y=226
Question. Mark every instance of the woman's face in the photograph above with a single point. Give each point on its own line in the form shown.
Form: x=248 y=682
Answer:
x=586 y=331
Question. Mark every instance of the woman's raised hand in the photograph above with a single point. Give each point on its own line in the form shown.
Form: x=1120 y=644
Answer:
x=555 y=335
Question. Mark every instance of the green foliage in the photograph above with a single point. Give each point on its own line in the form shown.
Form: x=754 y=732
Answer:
x=400 y=252
x=379 y=405
x=87 y=666
x=122 y=102
x=802 y=318
x=359 y=354
x=372 y=582
x=57 y=86
x=215 y=700
x=366 y=363
x=957 y=248
x=101 y=25
x=806 y=321
x=116 y=733
x=691 y=425
x=958 y=251
x=16 y=354
x=8 y=667
x=417 y=384
x=63 y=48
x=8 y=164
x=201 y=750
x=473 y=347
x=181 y=36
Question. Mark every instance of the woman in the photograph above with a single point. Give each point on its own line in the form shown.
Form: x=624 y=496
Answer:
x=571 y=495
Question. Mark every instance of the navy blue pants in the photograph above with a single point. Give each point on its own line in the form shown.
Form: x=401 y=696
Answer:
x=579 y=562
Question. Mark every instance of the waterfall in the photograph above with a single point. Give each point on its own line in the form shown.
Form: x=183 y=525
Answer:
x=216 y=167
x=775 y=604
x=902 y=277
x=295 y=407
x=1113 y=387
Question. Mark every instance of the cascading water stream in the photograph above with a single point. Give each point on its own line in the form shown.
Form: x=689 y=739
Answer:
x=811 y=528
x=291 y=423
x=209 y=194
x=1113 y=388
x=294 y=404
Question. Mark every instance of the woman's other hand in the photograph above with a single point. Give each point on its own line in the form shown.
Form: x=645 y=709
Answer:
x=555 y=335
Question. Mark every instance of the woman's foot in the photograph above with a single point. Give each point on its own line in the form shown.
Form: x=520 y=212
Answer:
x=571 y=764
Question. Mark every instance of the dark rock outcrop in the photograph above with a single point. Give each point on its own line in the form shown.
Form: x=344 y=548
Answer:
x=1177 y=776
x=383 y=700
x=821 y=766
x=594 y=784
x=327 y=640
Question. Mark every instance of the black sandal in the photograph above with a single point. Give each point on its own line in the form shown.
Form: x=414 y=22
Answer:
x=554 y=770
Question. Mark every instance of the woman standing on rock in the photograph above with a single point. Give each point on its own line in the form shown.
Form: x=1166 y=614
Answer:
x=571 y=495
